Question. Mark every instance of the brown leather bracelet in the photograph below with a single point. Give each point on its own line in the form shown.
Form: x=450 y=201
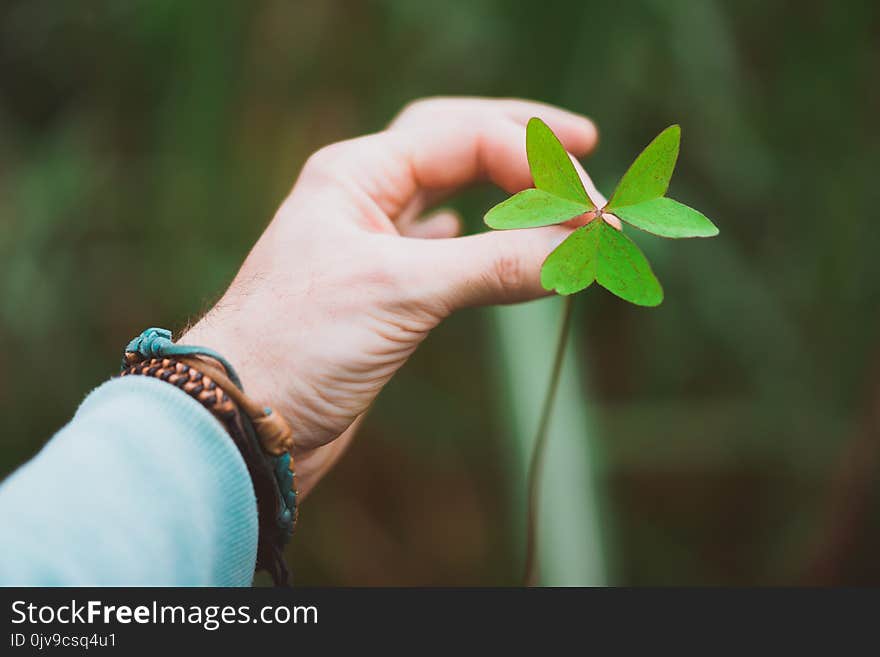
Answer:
x=274 y=432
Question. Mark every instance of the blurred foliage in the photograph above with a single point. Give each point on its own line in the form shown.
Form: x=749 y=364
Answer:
x=144 y=146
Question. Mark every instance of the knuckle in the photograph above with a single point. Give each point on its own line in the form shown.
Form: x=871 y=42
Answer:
x=508 y=272
x=416 y=108
x=325 y=160
x=409 y=109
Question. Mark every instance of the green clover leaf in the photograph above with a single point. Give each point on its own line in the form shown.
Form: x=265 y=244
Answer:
x=559 y=194
x=649 y=175
x=597 y=251
x=551 y=167
x=667 y=217
x=532 y=208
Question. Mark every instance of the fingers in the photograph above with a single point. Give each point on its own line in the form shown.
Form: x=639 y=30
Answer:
x=440 y=225
x=577 y=132
x=451 y=156
x=484 y=269
x=454 y=141
x=439 y=145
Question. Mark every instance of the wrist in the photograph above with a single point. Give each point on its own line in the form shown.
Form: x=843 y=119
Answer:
x=233 y=343
x=258 y=378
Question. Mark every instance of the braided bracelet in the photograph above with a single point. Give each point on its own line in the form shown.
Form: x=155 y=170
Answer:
x=263 y=437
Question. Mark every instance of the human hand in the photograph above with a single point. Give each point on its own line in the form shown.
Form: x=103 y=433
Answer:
x=347 y=280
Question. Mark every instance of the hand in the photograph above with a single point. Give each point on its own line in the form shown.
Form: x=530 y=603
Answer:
x=347 y=281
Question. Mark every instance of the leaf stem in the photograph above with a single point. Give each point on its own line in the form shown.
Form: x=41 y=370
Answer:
x=531 y=574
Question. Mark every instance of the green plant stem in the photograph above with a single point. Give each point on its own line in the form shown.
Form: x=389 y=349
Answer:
x=530 y=577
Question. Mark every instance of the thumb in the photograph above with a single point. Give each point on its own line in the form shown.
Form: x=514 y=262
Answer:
x=490 y=268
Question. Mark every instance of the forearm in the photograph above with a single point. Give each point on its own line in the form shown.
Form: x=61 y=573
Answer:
x=143 y=486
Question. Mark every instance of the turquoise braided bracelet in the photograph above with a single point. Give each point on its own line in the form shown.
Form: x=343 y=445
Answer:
x=156 y=343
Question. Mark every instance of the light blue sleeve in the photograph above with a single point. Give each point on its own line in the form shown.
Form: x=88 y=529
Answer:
x=143 y=487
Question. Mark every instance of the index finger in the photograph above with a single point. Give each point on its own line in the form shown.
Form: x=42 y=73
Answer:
x=438 y=146
x=454 y=141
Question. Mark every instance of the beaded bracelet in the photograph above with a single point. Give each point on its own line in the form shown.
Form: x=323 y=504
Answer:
x=263 y=437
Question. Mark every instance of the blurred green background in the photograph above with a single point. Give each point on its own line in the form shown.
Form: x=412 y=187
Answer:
x=735 y=429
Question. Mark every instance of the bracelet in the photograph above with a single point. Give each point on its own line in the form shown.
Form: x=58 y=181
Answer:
x=263 y=437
